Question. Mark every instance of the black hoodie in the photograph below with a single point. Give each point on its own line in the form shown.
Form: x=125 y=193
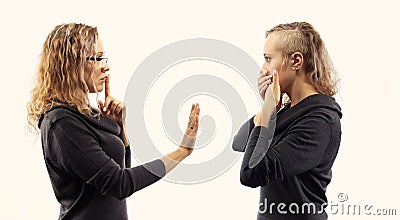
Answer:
x=296 y=168
x=88 y=165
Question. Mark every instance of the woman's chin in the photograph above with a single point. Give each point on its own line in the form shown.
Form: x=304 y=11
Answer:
x=99 y=88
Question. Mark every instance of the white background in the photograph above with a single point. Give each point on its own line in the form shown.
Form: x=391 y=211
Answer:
x=361 y=36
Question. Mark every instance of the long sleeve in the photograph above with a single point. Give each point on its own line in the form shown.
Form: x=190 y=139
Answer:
x=299 y=150
x=78 y=152
x=128 y=156
x=242 y=136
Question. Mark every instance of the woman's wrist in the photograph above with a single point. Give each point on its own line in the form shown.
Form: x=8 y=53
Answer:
x=185 y=151
x=172 y=159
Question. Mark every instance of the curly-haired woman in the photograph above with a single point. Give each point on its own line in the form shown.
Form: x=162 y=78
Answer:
x=86 y=150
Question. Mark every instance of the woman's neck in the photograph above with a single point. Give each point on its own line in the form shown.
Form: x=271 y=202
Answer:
x=300 y=90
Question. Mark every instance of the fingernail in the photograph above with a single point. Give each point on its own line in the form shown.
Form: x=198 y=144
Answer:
x=274 y=72
x=104 y=109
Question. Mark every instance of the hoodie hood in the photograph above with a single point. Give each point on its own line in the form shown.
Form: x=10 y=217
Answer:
x=324 y=105
x=59 y=111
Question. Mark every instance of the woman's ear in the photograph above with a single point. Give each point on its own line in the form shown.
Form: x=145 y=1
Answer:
x=296 y=60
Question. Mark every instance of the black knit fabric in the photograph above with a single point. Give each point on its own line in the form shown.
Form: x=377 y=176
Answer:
x=296 y=168
x=88 y=165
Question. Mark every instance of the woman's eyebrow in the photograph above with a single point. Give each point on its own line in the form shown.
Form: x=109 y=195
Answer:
x=100 y=53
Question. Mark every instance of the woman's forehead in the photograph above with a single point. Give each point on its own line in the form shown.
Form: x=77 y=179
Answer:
x=271 y=43
x=99 y=46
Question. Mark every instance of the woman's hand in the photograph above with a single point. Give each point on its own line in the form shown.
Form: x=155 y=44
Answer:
x=275 y=90
x=267 y=81
x=191 y=130
x=263 y=83
x=271 y=90
x=112 y=107
x=172 y=159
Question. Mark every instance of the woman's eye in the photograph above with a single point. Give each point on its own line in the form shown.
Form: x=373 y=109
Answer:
x=267 y=59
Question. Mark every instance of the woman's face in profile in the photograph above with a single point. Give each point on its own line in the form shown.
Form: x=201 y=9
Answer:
x=273 y=58
x=95 y=81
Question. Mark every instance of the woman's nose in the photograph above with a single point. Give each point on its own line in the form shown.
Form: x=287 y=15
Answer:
x=105 y=68
x=264 y=71
x=264 y=68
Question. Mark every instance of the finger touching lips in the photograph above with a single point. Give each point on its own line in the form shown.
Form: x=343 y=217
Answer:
x=107 y=85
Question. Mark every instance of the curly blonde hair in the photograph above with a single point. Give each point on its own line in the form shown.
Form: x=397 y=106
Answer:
x=60 y=77
x=302 y=37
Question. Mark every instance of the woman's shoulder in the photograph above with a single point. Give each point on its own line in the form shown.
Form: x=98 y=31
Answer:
x=320 y=106
x=326 y=107
x=67 y=115
x=58 y=113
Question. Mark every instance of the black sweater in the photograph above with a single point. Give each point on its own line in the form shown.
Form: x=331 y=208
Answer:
x=296 y=167
x=88 y=165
